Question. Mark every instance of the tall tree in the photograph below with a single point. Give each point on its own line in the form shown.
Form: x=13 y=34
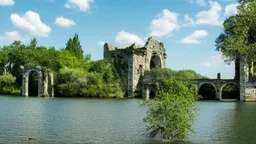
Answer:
x=33 y=43
x=74 y=47
x=239 y=35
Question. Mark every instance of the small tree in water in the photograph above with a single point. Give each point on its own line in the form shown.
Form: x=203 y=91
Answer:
x=172 y=111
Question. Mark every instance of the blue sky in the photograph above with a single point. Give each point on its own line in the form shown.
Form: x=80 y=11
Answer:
x=188 y=28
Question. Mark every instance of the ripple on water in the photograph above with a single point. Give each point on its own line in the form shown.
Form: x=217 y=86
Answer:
x=67 y=120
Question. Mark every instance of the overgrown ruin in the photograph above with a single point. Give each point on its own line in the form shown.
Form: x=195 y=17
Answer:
x=45 y=81
x=131 y=62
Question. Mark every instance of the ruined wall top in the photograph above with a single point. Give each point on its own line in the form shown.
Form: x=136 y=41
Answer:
x=152 y=44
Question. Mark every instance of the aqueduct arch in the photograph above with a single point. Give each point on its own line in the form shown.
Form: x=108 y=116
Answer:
x=44 y=76
x=209 y=94
x=221 y=88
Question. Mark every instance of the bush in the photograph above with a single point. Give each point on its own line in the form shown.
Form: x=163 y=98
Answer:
x=172 y=111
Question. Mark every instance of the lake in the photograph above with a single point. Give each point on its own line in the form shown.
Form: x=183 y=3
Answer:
x=81 y=120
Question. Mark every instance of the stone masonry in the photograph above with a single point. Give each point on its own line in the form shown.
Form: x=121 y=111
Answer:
x=44 y=75
x=131 y=62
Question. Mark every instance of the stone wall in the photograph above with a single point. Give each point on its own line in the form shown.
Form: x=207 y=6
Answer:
x=131 y=62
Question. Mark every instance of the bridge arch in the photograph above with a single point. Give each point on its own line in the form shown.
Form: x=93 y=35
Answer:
x=208 y=83
x=225 y=84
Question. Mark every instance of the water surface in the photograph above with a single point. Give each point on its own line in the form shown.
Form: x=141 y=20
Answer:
x=78 y=120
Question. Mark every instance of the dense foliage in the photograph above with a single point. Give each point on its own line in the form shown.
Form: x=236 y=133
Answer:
x=75 y=74
x=172 y=111
x=239 y=35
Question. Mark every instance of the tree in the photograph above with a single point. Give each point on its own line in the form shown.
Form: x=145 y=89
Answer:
x=32 y=44
x=172 y=111
x=239 y=36
x=74 y=47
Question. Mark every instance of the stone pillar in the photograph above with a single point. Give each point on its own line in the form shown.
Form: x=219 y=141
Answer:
x=218 y=76
x=145 y=91
x=45 y=84
x=130 y=77
x=250 y=72
x=218 y=95
x=52 y=85
x=40 y=83
x=242 y=78
x=25 y=79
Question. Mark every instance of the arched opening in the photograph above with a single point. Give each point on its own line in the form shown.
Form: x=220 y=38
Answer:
x=152 y=93
x=33 y=84
x=230 y=91
x=155 y=62
x=207 y=91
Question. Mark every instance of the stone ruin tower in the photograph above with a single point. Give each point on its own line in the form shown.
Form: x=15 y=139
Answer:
x=131 y=62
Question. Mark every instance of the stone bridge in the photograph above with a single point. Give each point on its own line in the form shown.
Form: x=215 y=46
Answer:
x=218 y=85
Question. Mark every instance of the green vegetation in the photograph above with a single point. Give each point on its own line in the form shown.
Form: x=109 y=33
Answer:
x=75 y=74
x=238 y=37
x=230 y=91
x=172 y=111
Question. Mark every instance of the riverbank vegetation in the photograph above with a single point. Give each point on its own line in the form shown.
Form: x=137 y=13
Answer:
x=173 y=110
x=75 y=74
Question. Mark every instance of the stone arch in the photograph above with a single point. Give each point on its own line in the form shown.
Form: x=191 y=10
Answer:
x=221 y=88
x=43 y=76
x=212 y=84
x=155 y=62
x=31 y=89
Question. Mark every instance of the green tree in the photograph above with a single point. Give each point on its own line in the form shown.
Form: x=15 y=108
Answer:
x=33 y=44
x=172 y=111
x=74 y=47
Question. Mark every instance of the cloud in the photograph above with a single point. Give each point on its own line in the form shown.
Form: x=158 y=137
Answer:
x=10 y=36
x=195 y=37
x=231 y=9
x=64 y=22
x=101 y=43
x=188 y=21
x=124 y=39
x=199 y=2
x=6 y=2
x=206 y=64
x=164 y=24
x=214 y=61
x=83 y=5
x=30 y=23
x=210 y=17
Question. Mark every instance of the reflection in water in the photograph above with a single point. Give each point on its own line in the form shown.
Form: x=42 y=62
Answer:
x=67 y=120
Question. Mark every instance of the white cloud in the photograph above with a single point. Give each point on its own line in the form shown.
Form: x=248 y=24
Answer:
x=164 y=24
x=64 y=22
x=199 y=2
x=101 y=43
x=206 y=64
x=210 y=17
x=195 y=37
x=83 y=5
x=124 y=39
x=30 y=23
x=10 y=36
x=188 y=21
x=215 y=61
x=231 y=9
x=6 y=2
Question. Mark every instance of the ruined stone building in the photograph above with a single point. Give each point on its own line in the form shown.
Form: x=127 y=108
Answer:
x=131 y=62
x=45 y=81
